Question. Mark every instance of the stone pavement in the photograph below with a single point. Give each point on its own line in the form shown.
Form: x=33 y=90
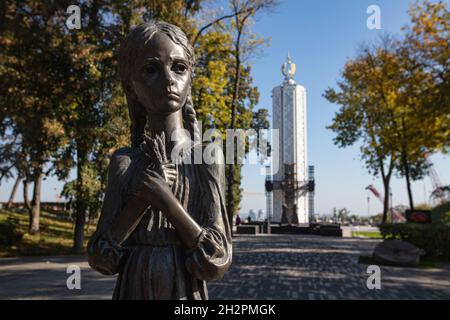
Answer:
x=264 y=267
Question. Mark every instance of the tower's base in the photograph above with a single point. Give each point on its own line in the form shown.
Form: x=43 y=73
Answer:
x=329 y=230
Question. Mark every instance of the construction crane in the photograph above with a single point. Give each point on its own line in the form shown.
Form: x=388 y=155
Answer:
x=435 y=181
x=397 y=217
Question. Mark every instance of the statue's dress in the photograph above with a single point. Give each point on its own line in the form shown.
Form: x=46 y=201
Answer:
x=152 y=263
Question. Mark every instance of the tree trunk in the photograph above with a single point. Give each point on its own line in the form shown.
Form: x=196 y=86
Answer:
x=386 y=200
x=405 y=165
x=14 y=191
x=26 y=199
x=80 y=206
x=386 y=177
x=36 y=203
x=230 y=178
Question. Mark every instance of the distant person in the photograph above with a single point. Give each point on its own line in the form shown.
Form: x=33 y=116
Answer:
x=238 y=220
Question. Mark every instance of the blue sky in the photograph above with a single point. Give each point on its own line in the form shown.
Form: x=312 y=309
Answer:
x=321 y=35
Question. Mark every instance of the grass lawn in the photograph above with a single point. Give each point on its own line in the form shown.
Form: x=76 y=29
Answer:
x=55 y=238
x=372 y=234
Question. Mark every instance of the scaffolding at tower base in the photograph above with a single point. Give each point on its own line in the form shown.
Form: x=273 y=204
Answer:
x=292 y=189
x=268 y=197
x=311 y=194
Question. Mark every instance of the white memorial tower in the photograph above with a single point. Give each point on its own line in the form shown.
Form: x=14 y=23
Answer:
x=290 y=196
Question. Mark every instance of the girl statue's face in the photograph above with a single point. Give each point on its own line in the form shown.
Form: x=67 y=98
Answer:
x=161 y=78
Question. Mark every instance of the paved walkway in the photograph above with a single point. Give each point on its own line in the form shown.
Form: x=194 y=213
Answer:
x=264 y=267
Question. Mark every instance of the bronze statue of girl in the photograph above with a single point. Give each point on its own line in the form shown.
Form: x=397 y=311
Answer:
x=163 y=226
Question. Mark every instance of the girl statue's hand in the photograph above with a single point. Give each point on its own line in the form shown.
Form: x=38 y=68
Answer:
x=169 y=173
x=155 y=152
x=152 y=188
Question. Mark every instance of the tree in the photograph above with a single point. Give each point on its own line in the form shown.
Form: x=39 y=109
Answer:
x=367 y=98
x=11 y=157
x=94 y=119
x=223 y=90
x=412 y=137
x=82 y=115
x=63 y=81
x=424 y=62
x=395 y=98
x=30 y=93
x=428 y=43
x=386 y=104
x=244 y=45
x=93 y=81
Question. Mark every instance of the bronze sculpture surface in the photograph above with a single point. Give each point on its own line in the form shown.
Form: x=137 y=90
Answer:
x=163 y=226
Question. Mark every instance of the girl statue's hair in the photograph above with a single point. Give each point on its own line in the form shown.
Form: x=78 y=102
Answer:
x=129 y=50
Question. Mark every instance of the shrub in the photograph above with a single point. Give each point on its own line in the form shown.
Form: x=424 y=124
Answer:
x=9 y=236
x=441 y=214
x=433 y=238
